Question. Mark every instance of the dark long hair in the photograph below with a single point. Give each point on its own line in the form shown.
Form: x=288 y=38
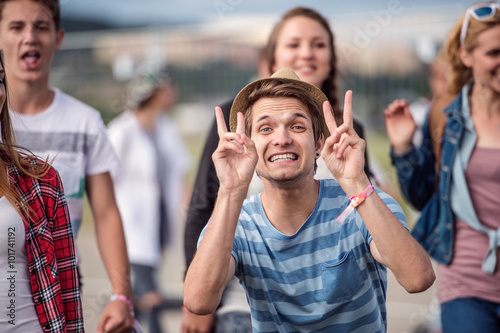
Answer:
x=329 y=86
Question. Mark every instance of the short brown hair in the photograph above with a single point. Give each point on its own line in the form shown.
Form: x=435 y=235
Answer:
x=51 y=5
x=273 y=89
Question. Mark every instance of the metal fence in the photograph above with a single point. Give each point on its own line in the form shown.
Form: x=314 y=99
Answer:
x=208 y=72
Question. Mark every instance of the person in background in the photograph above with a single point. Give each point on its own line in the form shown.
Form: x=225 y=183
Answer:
x=56 y=126
x=149 y=184
x=308 y=259
x=40 y=289
x=454 y=176
x=233 y=315
x=303 y=41
x=438 y=84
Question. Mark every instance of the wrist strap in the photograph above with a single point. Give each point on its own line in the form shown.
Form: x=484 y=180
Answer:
x=124 y=299
x=355 y=201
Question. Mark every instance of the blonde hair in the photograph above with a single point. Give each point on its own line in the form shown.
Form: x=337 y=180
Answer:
x=459 y=74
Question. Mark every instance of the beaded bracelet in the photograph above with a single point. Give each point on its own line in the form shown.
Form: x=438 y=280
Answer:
x=355 y=201
x=124 y=299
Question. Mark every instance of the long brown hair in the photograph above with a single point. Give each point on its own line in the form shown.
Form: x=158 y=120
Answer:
x=459 y=75
x=329 y=86
x=21 y=158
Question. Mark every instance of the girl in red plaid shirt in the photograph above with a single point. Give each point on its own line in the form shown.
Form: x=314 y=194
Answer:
x=38 y=278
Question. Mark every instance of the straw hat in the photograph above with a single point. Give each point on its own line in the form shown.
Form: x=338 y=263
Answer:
x=284 y=75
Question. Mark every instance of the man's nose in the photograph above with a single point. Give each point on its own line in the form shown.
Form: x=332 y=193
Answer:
x=283 y=137
x=30 y=34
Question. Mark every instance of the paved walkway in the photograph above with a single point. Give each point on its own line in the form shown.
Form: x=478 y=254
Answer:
x=405 y=312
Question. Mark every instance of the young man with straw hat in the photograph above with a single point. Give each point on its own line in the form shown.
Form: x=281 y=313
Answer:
x=311 y=254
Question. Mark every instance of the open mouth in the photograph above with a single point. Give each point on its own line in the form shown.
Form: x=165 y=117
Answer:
x=283 y=157
x=31 y=59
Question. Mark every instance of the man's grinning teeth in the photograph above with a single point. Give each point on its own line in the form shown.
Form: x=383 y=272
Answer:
x=283 y=157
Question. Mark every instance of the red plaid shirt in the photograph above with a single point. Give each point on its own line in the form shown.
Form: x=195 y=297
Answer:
x=51 y=251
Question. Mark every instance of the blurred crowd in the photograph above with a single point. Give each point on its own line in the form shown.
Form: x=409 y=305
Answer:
x=56 y=150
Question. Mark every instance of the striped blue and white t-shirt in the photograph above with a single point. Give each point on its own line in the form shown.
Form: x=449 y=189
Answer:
x=321 y=279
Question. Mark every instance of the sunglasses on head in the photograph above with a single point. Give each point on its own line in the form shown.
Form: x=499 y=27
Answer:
x=480 y=12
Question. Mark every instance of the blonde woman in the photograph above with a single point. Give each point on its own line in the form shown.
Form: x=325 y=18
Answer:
x=459 y=225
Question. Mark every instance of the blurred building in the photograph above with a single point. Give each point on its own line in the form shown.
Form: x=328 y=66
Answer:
x=382 y=55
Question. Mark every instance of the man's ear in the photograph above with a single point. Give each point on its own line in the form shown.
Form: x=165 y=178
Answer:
x=319 y=145
x=465 y=57
x=59 y=38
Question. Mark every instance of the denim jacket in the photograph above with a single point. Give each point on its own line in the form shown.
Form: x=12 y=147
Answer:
x=435 y=228
x=416 y=172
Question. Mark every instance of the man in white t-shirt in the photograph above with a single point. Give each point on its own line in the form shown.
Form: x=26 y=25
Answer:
x=72 y=134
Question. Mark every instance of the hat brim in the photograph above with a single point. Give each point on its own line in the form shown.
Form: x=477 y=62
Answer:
x=240 y=103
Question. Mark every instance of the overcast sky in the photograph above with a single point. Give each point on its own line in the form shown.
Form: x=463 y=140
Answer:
x=133 y=12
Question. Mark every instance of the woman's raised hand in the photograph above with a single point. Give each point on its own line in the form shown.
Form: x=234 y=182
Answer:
x=400 y=125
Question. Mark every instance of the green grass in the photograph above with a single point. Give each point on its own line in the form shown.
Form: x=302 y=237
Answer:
x=379 y=147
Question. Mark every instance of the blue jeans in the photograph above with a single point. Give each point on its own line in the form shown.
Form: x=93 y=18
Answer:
x=143 y=282
x=470 y=315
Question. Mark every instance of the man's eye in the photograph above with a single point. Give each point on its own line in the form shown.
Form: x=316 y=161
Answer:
x=265 y=129
x=42 y=27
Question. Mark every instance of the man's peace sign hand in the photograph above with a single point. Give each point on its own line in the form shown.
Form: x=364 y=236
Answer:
x=344 y=149
x=235 y=157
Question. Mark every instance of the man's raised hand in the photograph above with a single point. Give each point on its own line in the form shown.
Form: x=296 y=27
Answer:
x=235 y=157
x=344 y=149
